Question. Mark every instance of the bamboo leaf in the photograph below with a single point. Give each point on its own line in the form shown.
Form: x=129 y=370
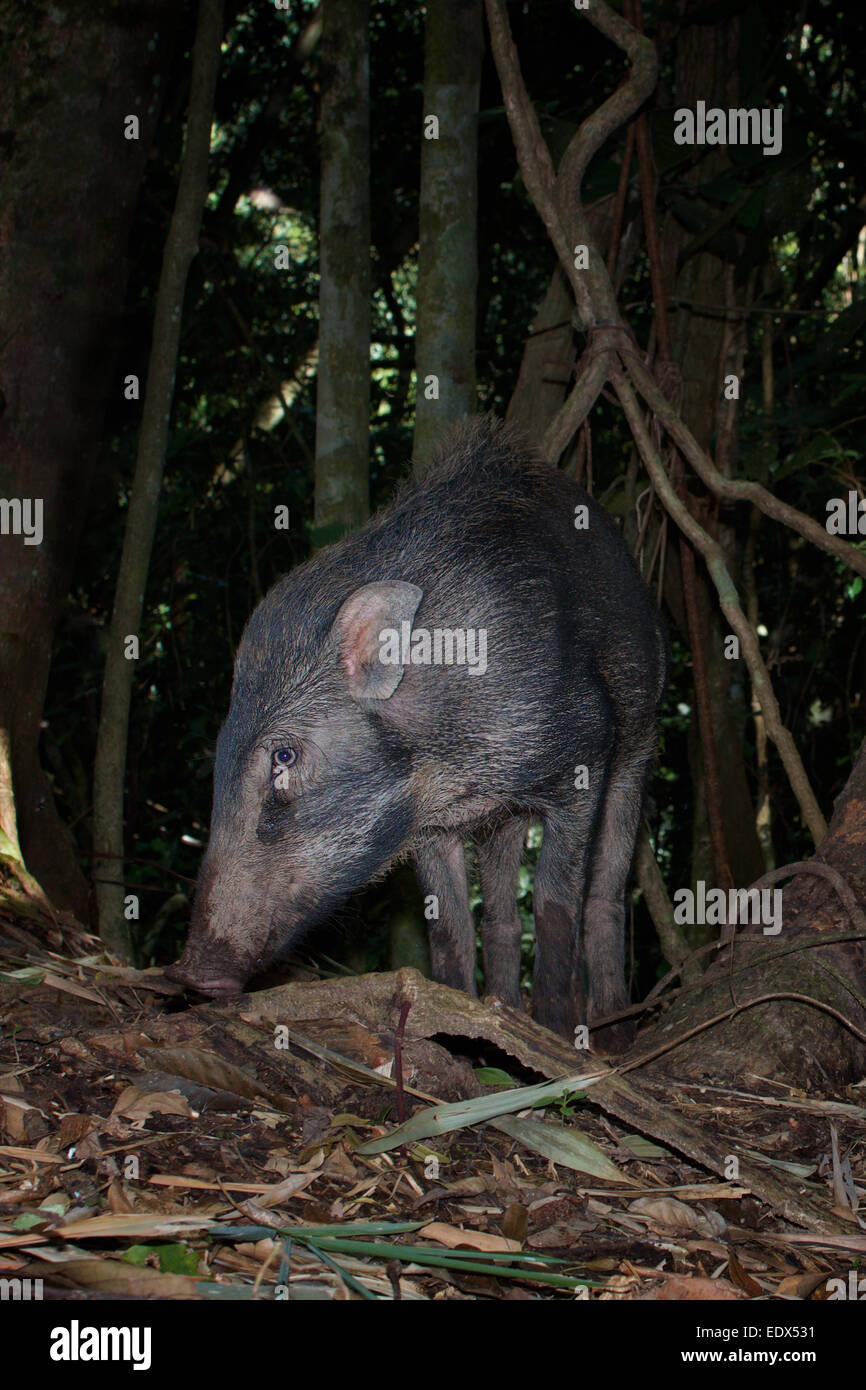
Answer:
x=563 y=1145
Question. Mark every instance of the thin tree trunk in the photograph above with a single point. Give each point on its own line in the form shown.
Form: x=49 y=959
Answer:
x=446 y=297
x=448 y=216
x=343 y=383
x=181 y=247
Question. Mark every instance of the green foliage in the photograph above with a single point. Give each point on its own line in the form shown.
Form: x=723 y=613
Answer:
x=566 y=1104
x=495 y=1076
x=172 y=1259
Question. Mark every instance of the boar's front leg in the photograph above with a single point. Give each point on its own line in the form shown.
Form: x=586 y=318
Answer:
x=499 y=854
x=441 y=867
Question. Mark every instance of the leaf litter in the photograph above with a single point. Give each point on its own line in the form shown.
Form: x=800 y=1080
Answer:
x=254 y=1149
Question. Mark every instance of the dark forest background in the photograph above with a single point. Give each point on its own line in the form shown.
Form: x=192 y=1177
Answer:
x=763 y=260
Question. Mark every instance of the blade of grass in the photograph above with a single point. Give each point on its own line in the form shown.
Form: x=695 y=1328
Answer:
x=349 y=1279
x=454 y=1259
x=349 y=1228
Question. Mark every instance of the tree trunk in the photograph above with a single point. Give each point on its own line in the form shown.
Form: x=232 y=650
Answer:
x=63 y=100
x=109 y=773
x=704 y=329
x=343 y=381
x=448 y=217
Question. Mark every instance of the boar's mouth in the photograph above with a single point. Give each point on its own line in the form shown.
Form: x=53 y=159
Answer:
x=213 y=970
x=214 y=986
x=218 y=971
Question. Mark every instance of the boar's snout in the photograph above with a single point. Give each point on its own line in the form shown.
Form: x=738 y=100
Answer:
x=230 y=933
x=210 y=963
x=204 y=981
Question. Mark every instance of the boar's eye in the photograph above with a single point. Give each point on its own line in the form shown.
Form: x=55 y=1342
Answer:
x=281 y=760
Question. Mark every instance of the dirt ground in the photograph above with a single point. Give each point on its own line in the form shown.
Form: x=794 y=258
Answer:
x=149 y=1149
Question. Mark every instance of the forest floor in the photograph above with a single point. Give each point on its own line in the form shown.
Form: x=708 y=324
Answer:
x=247 y=1149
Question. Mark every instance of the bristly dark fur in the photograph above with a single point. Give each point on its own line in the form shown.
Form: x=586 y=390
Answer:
x=560 y=724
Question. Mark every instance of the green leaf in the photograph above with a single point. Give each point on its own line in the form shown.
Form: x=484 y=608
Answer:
x=441 y=1119
x=529 y=1265
x=175 y=1258
x=27 y=1220
x=178 y=1259
x=138 y=1255
x=563 y=1145
x=493 y=1076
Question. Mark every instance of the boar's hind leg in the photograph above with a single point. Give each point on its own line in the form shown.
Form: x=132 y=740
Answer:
x=560 y=882
x=441 y=867
x=499 y=854
x=604 y=913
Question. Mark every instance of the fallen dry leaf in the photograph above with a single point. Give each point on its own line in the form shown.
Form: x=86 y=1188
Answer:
x=117 y=1277
x=136 y=1104
x=124 y=1225
x=73 y=1128
x=698 y=1289
x=677 y=1216
x=561 y=1235
x=70 y=987
x=453 y=1236
x=30 y=1155
x=741 y=1277
x=206 y=1068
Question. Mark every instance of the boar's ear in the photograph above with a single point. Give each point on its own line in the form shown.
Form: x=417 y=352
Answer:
x=367 y=633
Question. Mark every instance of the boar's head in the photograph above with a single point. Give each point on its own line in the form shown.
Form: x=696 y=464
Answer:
x=312 y=793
